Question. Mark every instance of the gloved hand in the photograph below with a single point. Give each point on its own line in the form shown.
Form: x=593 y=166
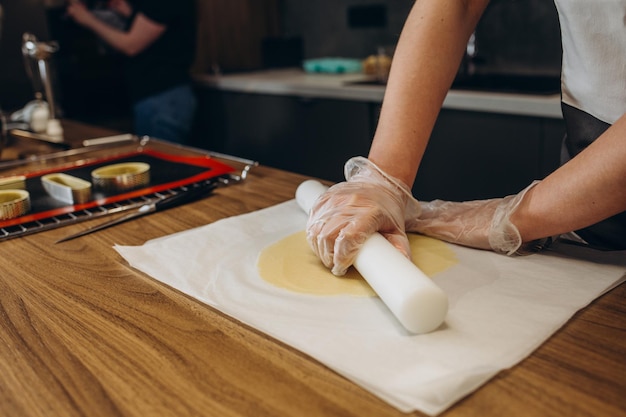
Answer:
x=349 y=212
x=482 y=224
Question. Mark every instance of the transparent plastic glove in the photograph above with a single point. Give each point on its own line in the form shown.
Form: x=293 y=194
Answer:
x=349 y=212
x=482 y=224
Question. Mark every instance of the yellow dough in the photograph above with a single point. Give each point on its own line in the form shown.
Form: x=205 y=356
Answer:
x=291 y=264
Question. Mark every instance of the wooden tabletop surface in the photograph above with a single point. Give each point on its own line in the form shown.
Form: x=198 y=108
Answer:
x=83 y=334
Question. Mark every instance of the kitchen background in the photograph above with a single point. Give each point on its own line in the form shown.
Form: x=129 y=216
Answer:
x=507 y=151
x=514 y=36
x=518 y=36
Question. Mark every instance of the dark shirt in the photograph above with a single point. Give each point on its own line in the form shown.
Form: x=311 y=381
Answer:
x=166 y=63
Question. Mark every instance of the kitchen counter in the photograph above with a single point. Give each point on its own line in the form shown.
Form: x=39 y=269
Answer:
x=296 y=82
x=83 y=334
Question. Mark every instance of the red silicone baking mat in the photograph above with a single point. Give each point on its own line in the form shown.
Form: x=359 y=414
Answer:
x=168 y=171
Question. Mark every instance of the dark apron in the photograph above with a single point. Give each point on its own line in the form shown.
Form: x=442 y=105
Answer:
x=581 y=129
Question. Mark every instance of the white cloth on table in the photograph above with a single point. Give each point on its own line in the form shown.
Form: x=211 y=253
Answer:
x=501 y=308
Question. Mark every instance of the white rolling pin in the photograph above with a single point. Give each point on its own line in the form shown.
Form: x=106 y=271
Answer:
x=414 y=299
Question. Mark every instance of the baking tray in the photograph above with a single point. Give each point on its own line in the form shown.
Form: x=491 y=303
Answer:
x=172 y=169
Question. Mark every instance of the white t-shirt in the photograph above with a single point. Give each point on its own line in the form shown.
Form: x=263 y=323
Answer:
x=593 y=76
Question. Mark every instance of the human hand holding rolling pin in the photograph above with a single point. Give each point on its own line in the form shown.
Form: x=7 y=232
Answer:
x=381 y=204
x=344 y=217
x=372 y=201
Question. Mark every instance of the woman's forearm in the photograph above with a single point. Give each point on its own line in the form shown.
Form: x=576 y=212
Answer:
x=425 y=63
x=589 y=188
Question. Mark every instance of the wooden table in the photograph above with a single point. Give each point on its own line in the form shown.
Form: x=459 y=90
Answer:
x=83 y=334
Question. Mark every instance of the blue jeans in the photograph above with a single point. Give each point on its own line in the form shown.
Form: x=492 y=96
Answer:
x=168 y=115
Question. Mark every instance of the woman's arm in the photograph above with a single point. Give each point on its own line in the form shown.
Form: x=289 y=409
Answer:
x=589 y=188
x=143 y=31
x=424 y=65
x=376 y=195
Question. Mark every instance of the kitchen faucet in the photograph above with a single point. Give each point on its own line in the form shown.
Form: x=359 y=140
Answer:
x=469 y=59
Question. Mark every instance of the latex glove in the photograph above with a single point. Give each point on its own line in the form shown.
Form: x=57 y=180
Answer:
x=349 y=212
x=482 y=224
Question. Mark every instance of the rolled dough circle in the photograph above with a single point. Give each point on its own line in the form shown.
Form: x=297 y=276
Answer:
x=291 y=264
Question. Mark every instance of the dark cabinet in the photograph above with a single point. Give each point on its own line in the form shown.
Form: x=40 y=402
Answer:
x=471 y=155
x=311 y=136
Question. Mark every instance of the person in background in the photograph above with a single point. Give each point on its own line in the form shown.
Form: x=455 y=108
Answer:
x=159 y=41
x=587 y=194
